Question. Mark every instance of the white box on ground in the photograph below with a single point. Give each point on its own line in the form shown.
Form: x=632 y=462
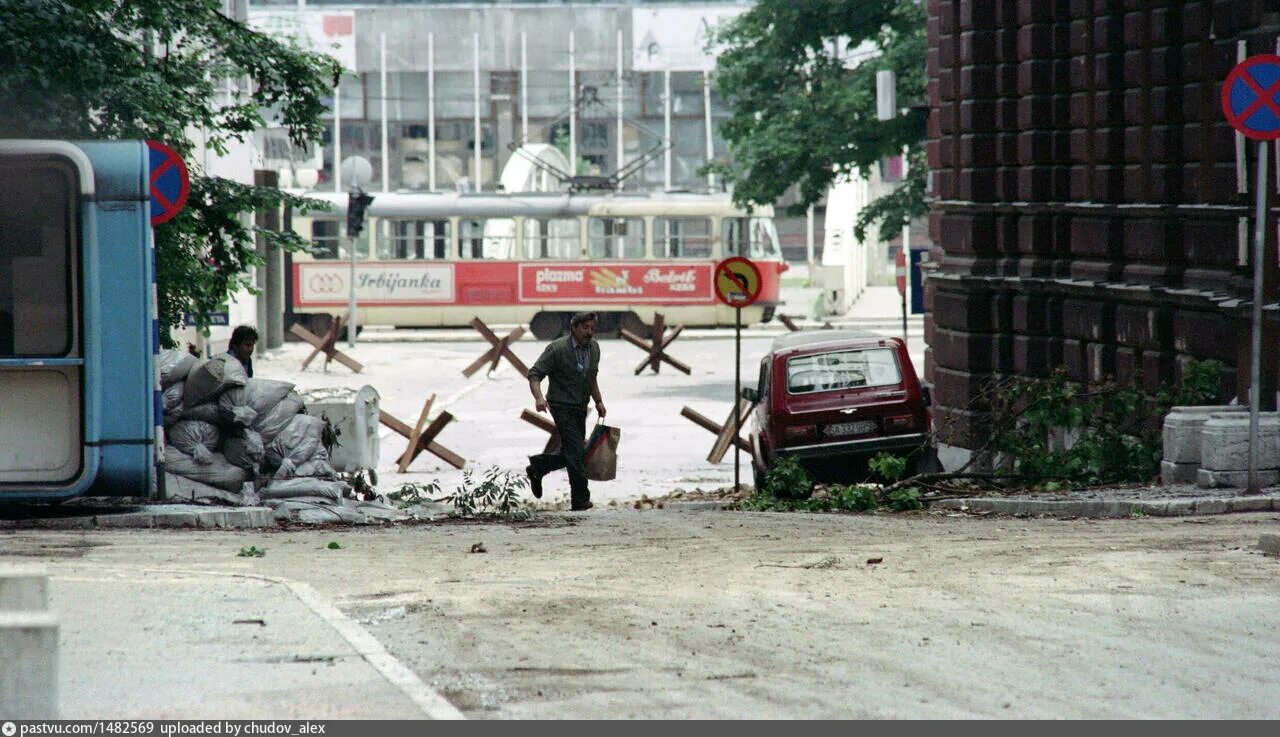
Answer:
x=1224 y=449
x=1181 y=435
x=354 y=413
x=28 y=648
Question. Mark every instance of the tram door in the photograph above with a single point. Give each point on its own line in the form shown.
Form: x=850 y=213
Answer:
x=77 y=329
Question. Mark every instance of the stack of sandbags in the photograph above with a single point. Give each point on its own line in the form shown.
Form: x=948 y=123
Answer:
x=174 y=367
x=297 y=463
x=193 y=430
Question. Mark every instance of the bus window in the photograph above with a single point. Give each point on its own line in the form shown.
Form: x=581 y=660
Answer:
x=616 y=237
x=417 y=239
x=682 y=237
x=750 y=237
x=551 y=238
x=493 y=238
x=324 y=238
x=37 y=216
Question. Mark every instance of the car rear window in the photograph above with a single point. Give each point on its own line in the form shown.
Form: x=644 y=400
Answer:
x=823 y=372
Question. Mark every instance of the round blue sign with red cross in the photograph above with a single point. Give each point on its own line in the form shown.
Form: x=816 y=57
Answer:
x=1251 y=97
x=170 y=183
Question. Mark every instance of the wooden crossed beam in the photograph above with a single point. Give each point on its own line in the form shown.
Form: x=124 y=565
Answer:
x=723 y=433
x=326 y=345
x=421 y=438
x=498 y=349
x=540 y=421
x=657 y=348
x=796 y=328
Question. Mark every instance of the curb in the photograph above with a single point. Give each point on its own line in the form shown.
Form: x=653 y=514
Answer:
x=173 y=517
x=1115 y=507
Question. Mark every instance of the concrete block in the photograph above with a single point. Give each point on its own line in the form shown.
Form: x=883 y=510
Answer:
x=1179 y=473
x=1211 y=479
x=28 y=649
x=1181 y=432
x=1224 y=442
x=23 y=591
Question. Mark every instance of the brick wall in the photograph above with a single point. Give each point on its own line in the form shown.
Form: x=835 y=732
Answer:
x=1087 y=211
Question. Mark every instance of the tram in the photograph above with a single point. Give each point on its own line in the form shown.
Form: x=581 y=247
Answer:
x=442 y=259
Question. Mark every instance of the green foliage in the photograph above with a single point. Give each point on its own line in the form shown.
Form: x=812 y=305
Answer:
x=803 y=113
x=1102 y=433
x=888 y=466
x=834 y=498
x=334 y=545
x=156 y=69
x=496 y=495
x=787 y=479
x=411 y=494
x=853 y=498
x=251 y=551
x=903 y=500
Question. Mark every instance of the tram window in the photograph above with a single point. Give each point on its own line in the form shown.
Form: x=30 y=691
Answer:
x=417 y=239
x=490 y=238
x=616 y=237
x=750 y=237
x=36 y=224
x=682 y=237
x=551 y=238
x=324 y=238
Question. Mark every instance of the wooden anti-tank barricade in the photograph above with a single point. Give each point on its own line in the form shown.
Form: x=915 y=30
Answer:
x=724 y=433
x=498 y=350
x=793 y=327
x=544 y=423
x=422 y=438
x=657 y=347
x=326 y=345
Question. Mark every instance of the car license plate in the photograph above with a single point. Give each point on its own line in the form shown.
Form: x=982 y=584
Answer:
x=862 y=427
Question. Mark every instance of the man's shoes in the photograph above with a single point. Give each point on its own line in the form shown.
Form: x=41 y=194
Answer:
x=581 y=507
x=535 y=482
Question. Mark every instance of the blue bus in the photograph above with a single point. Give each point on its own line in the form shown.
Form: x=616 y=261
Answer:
x=80 y=408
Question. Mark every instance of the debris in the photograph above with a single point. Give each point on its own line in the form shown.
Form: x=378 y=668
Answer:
x=259 y=622
x=334 y=545
x=875 y=561
x=251 y=551
x=478 y=548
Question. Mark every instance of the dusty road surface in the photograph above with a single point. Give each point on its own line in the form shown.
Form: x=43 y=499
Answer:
x=670 y=613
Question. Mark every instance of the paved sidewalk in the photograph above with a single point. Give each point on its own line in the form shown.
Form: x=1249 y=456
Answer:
x=141 y=642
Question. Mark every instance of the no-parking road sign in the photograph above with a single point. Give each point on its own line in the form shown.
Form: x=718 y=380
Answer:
x=1251 y=97
x=170 y=183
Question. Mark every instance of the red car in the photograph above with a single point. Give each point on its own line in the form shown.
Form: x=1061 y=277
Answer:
x=833 y=399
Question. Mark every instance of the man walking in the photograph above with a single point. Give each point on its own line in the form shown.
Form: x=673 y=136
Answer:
x=571 y=364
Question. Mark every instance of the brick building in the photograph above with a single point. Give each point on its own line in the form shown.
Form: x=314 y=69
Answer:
x=1093 y=206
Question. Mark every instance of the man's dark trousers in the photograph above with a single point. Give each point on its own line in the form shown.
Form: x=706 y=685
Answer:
x=571 y=424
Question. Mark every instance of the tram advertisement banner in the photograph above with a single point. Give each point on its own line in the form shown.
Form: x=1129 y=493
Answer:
x=326 y=284
x=615 y=282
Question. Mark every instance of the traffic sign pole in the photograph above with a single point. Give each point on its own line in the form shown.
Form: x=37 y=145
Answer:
x=737 y=392
x=1251 y=104
x=1255 y=368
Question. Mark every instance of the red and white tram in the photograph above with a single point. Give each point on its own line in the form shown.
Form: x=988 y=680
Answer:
x=441 y=259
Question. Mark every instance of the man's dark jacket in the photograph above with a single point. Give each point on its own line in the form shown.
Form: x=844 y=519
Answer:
x=570 y=387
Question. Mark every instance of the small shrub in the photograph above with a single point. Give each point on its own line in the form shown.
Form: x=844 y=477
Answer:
x=497 y=494
x=787 y=479
x=902 y=500
x=888 y=466
x=251 y=551
x=410 y=494
x=855 y=498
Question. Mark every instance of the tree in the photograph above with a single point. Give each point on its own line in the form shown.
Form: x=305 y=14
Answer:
x=803 y=99
x=106 y=69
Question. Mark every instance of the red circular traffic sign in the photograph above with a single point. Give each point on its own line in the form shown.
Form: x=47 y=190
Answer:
x=1251 y=97
x=170 y=182
x=737 y=281
x=900 y=268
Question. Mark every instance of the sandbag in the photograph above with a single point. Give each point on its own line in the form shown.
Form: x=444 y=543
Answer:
x=173 y=403
x=317 y=465
x=207 y=412
x=297 y=443
x=243 y=405
x=299 y=487
x=274 y=421
x=217 y=472
x=196 y=439
x=174 y=366
x=209 y=379
x=244 y=449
